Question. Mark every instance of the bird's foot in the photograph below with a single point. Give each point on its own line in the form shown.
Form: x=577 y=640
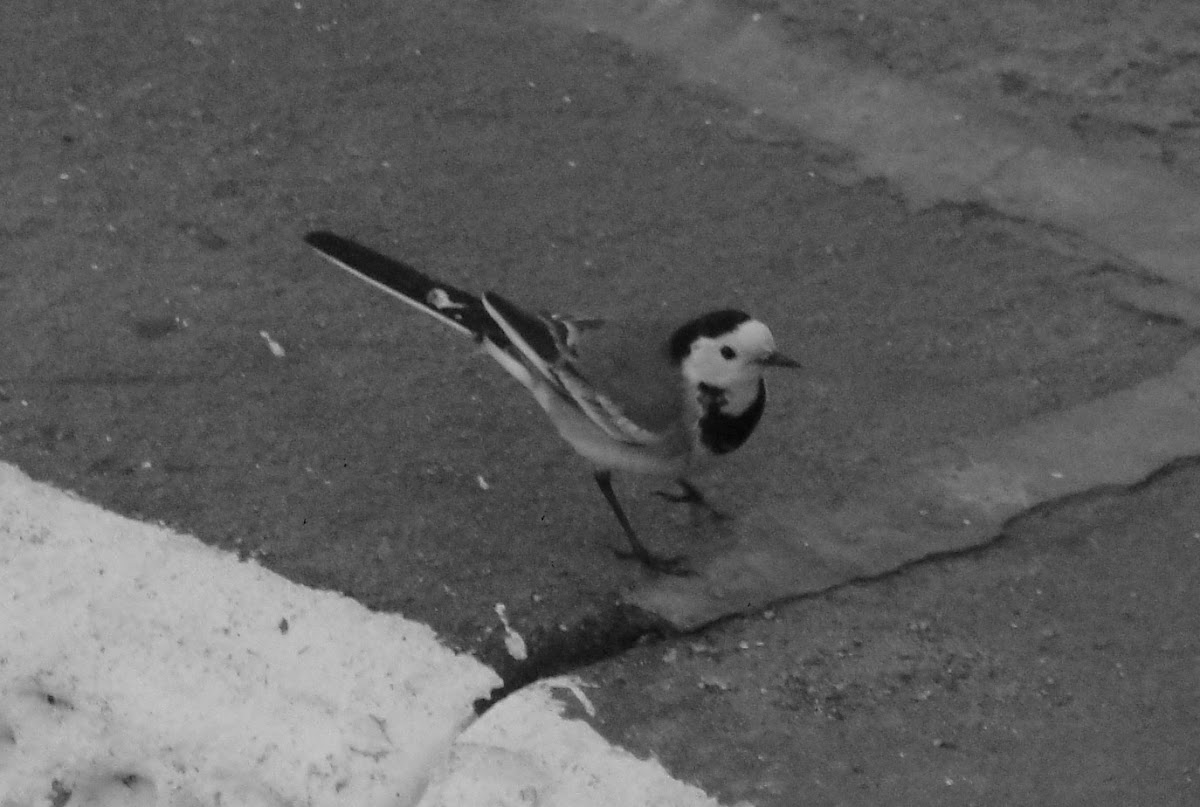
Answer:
x=663 y=564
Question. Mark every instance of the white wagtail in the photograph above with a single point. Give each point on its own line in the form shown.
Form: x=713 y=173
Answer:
x=625 y=398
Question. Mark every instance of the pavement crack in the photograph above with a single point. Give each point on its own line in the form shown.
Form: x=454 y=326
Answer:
x=605 y=631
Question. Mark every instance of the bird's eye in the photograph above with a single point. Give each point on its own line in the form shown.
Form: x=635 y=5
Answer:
x=727 y=352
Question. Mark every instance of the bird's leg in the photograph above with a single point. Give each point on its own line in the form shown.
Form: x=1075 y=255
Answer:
x=659 y=563
x=691 y=495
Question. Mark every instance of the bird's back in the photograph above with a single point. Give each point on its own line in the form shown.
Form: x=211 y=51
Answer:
x=627 y=361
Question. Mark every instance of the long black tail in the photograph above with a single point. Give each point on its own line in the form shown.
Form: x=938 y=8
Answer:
x=460 y=310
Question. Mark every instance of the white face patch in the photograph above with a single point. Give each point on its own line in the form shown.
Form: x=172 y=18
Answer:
x=731 y=361
x=753 y=338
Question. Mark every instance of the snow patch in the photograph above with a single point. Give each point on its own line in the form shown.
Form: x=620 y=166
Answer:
x=141 y=667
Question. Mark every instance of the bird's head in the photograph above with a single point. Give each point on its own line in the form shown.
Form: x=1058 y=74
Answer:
x=726 y=349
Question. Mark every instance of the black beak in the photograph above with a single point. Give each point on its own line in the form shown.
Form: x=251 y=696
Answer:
x=776 y=359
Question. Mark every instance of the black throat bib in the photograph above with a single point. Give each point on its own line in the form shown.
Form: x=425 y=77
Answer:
x=721 y=433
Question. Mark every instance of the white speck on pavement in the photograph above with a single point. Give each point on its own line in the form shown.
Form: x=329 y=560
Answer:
x=276 y=349
x=514 y=643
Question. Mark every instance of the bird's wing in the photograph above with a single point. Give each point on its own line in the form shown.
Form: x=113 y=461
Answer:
x=611 y=388
x=629 y=364
x=460 y=310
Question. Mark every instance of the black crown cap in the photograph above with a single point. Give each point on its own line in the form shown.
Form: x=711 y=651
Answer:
x=712 y=325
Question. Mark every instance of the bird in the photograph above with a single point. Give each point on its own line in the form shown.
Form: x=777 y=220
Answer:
x=659 y=400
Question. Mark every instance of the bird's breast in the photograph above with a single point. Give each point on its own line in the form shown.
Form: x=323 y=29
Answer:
x=720 y=431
